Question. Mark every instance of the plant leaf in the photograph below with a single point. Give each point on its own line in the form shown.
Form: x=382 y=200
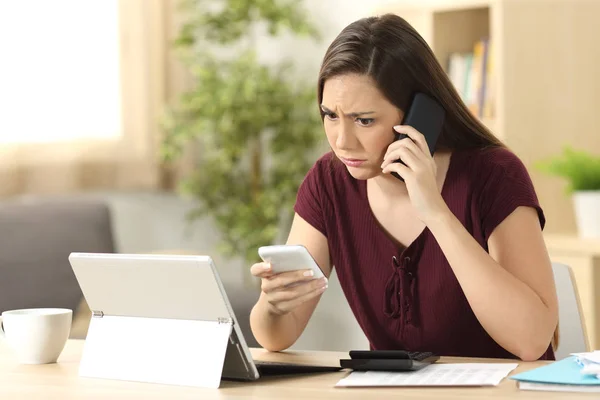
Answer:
x=257 y=126
x=581 y=169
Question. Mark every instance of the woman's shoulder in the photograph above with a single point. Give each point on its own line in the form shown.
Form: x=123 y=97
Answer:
x=496 y=174
x=494 y=162
x=499 y=182
x=330 y=179
x=320 y=191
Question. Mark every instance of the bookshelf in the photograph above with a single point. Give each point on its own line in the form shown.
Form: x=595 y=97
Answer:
x=459 y=33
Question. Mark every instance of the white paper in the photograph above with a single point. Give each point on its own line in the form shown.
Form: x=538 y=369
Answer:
x=468 y=374
x=592 y=356
x=548 y=387
x=589 y=362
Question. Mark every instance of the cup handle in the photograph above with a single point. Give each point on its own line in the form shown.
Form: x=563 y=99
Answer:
x=1 y=329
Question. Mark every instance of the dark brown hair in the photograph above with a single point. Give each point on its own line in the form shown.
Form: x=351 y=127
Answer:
x=397 y=58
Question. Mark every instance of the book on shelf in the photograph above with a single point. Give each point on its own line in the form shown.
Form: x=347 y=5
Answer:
x=472 y=74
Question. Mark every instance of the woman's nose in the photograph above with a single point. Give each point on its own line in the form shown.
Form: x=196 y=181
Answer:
x=345 y=138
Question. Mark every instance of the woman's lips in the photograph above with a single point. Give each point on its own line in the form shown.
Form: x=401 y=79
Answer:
x=352 y=162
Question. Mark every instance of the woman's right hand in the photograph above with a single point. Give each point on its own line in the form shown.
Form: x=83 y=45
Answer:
x=287 y=290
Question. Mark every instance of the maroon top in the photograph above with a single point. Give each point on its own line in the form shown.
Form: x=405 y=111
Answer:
x=408 y=298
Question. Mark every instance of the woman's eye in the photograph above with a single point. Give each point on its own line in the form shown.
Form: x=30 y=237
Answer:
x=365 y=121
x=330 y=116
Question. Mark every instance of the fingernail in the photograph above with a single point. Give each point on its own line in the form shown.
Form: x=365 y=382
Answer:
x=266 y=266
x=396 y=127
x=308 y=273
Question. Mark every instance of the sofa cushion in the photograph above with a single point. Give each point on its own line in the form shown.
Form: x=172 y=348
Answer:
x=36 y=238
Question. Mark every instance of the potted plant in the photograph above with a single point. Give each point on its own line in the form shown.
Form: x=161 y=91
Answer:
x=582 y=171
x=257 y=126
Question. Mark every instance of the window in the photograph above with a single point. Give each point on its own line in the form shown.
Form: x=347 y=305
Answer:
x=60 y=71
x=82 y=87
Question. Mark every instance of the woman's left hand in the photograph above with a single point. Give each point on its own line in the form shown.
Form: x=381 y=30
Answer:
x=419 y=173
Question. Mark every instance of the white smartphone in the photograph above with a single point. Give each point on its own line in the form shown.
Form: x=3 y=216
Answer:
x=288 y=257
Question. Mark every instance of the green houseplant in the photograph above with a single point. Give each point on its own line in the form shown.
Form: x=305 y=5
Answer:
x=257 y=126
x=582 y=172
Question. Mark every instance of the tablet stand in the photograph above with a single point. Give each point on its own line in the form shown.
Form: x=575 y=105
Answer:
x=156 y=350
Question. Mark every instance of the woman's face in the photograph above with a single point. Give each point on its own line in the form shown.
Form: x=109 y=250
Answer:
x=358 y=123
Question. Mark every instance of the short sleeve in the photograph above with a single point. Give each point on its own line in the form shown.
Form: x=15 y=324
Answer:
x=506 y=185
x=309 y=204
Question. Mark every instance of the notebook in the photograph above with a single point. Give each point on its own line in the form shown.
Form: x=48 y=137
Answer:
x=563 y=376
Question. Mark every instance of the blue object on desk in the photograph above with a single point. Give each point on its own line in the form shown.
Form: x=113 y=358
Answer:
x=565 y=372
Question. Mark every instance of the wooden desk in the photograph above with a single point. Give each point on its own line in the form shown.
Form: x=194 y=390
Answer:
x=61 y=381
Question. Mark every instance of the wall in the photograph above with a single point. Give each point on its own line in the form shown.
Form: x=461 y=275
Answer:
x=330 y=17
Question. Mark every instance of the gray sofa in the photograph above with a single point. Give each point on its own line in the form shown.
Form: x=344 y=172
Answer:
x=36 y=237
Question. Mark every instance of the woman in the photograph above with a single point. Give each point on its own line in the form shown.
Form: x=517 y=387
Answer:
x=449 y=260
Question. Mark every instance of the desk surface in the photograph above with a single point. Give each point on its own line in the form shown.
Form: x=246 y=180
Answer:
x=61 y=381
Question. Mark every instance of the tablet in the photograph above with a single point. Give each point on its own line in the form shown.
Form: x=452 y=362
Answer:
x=174 y=287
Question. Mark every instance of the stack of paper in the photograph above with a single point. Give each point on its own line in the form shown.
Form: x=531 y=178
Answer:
x=471 y=374
x=589 y=362
x=566 y=375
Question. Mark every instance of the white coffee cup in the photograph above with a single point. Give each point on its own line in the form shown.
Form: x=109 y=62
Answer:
x=36 y=335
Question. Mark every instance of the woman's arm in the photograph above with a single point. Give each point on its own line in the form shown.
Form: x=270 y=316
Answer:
x=511 y=290
x=276 y=329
